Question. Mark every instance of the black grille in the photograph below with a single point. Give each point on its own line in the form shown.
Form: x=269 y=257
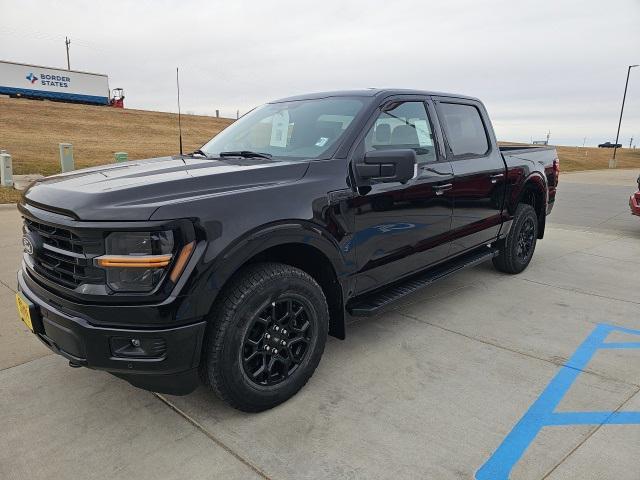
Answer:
x=65 y=257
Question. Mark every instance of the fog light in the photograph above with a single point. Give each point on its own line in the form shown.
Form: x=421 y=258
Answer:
x=127 y=347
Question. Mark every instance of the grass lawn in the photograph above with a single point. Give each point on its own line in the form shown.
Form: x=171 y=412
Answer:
x=9 y=195
x=573 y=159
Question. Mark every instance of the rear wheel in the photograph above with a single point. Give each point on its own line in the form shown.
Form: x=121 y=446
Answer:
x=267 y=335
x=520 y=243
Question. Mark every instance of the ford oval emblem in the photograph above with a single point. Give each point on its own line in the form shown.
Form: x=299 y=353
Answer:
x=27 y=246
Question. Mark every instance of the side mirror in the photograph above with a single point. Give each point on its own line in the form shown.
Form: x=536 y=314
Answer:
x=388 y=165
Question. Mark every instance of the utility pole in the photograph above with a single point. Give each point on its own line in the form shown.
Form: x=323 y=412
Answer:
x=624 y=97
x=67 y=42
x=630 y=142
x=548 y=135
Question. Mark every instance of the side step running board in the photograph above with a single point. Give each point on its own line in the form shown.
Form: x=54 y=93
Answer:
x=372 y=303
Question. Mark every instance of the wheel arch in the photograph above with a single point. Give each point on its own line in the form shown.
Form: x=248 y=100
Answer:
x=533 y=191
x=300 y=244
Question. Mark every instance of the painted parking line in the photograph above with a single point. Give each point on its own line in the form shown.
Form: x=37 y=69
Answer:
x=542 y=413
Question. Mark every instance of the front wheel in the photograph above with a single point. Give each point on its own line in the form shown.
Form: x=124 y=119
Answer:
x=266 y=338
x=520 y=243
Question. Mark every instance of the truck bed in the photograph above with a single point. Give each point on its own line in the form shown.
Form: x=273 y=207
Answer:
x=545 y=155
x=528 y=158
x=511 y=149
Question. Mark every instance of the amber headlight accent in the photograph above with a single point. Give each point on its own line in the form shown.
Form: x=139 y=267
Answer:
x=136 y=261
x=181 y=262
x=142 y=261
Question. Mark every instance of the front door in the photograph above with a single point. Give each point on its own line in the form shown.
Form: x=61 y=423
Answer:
x=479 y=173
x=402 y=228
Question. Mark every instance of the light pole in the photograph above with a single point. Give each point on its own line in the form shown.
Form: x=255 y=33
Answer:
x=624 y=96
x=67 y=42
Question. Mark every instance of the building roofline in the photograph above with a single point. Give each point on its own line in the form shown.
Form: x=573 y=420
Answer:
x=53 y=68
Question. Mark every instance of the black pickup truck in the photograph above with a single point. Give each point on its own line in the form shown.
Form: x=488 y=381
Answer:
x=230 y=265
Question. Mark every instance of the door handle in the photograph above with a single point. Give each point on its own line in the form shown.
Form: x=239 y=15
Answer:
x=494 y=178
x=440 y=189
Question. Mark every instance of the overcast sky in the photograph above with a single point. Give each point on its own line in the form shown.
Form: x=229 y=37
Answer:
x=538 y=65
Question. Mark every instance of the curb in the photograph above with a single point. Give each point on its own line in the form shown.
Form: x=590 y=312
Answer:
x=8 y=206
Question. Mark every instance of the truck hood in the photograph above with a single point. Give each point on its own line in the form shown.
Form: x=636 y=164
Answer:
x=134 y=190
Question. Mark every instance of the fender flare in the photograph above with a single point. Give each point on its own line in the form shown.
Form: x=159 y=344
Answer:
x=535 y=178
x=540 y=182
x=228 y=261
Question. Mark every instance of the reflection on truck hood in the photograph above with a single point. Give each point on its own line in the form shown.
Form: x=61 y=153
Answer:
x=134 y=190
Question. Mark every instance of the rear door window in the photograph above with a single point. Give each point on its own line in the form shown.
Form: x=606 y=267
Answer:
x=465 y=130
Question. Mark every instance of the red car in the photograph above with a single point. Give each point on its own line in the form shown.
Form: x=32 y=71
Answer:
x=634 y=201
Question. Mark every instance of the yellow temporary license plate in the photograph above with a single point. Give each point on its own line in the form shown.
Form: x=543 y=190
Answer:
x=23 y=310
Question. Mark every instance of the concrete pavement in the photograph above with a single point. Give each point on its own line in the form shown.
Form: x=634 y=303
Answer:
x=429 y=389
x=597 y=200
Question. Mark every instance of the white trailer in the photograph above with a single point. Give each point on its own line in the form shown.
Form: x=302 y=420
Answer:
x=34 y=81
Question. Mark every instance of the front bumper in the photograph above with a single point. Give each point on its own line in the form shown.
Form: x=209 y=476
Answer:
x=634 y=203
x=171 y=368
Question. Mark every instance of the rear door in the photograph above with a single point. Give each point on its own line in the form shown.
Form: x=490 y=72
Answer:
x=479 y=172
x=401 y=228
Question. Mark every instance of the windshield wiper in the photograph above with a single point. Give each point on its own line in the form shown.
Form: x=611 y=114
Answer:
x=199 y=152
x=245 y=154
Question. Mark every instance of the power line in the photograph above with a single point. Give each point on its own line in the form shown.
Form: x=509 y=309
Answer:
x=39 y=35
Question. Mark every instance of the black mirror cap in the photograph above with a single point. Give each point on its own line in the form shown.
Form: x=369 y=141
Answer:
x=396 y=165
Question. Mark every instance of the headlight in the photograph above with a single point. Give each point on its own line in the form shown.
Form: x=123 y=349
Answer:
x=136 y=261
x=140 y=243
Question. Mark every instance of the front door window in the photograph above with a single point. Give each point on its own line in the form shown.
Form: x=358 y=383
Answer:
x=403 y=125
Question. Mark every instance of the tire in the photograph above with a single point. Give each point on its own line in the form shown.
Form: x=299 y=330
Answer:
x=517 y=249
x=264 y=305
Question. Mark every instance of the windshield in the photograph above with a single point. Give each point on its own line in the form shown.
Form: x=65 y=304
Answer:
x=298 y=129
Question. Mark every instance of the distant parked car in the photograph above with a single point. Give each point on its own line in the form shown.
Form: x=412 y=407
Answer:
x=610 y=145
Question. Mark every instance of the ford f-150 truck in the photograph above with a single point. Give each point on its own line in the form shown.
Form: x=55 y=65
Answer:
x=231 y=265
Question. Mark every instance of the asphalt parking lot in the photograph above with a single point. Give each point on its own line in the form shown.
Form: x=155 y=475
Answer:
x=428 y=390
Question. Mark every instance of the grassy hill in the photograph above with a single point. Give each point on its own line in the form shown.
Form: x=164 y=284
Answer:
x=31 y=131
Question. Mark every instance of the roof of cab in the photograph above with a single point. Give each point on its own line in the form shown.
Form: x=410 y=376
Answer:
x=371 y=92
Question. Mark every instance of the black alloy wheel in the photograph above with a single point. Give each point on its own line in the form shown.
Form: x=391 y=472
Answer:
x=526 y=239
x=516 y=250
x=277 y=341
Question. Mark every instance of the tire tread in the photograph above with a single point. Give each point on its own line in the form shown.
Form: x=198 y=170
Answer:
x=244 y=283
x=505 y=261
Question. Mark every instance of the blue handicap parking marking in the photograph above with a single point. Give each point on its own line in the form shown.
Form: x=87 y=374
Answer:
x=542 y=413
